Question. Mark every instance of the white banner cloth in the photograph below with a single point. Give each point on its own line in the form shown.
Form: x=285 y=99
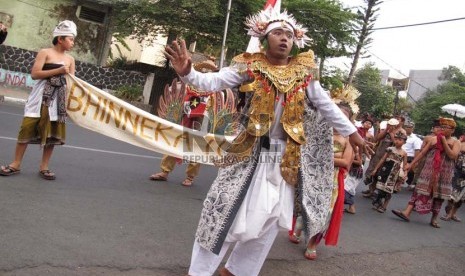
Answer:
x=99 y=111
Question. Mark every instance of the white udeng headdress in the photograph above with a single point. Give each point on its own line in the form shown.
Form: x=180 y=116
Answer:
x=65 y=28
x=266 y=20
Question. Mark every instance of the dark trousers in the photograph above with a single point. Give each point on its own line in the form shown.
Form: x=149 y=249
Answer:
x=410 y=174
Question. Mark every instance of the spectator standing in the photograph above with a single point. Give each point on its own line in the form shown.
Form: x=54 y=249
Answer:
x=3 y=32
x=412 y=146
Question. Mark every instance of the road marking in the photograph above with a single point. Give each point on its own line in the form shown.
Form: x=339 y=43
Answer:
x=97 y=150
x=68 y=122
x=9 y=113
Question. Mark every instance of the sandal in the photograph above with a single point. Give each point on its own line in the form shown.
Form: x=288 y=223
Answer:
x=434 y=224
x=294 y=238
x=455 y=218
x=381 y=209
x=401 y=215
x=367 y=195
x=188 y=181
x=161 y=176
x=445 y=218
x=349 y=211
x=310 y=254
x=9 y=170
x=47 y=175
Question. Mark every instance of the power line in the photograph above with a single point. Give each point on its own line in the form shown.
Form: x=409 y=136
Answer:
x=419 y=24
x=403 y=26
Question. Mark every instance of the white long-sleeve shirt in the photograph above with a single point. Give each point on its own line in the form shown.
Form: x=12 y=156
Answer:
x=228 y=77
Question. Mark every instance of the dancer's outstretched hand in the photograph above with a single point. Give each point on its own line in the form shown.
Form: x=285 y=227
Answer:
x=179 y=57
x=365 y=146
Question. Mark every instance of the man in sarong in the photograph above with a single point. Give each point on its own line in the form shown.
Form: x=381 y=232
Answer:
x=434 y=182
x=458 y=185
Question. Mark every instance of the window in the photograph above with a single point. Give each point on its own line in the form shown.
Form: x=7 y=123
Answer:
x=91 y=15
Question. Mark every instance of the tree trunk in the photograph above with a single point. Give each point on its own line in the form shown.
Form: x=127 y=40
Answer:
x=362 y=39
x=322 y=61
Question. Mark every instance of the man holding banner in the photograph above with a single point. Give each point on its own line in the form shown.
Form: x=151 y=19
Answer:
x=286 y=143
x=45 y=109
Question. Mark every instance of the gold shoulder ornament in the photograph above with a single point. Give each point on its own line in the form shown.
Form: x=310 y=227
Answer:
x=271 y=83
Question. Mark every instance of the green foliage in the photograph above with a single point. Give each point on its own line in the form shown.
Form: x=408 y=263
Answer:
x=333 y=78
x=429 y=107
x=375 y=98
x=404 y=106
x=454 y=75
x=328 y=24
x=129 y=93
x=201 y=20
x=118 y=63
x=366 y=18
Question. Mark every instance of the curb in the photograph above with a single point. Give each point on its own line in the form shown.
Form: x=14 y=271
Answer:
x=12 y=100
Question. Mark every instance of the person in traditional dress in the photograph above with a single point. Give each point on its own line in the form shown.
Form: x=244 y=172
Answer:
x=458 y=186
x=359 y=165
x=192 y=100
x=434 y=183
x=367 y=125
x=45 y=109
x=384 y=140
x=435 y=129
x=353 y=179
x=343 y=157
x=286 y=142
x=387 y=172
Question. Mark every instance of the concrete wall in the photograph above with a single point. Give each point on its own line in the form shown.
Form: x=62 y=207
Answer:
x=16 y=65
x=33 y=22
x=421 y=81
x=149 y=51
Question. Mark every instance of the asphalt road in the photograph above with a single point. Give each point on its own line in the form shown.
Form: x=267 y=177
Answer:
x=103 y=216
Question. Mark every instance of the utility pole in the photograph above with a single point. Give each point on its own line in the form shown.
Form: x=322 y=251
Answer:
x=223 y=46
x=396 y=101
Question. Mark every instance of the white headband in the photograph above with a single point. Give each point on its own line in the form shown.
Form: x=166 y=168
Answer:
x=259 y=24
x=279 y=24
x=65 y=28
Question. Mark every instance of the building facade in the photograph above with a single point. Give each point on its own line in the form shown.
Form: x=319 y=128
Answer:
x=31 y=23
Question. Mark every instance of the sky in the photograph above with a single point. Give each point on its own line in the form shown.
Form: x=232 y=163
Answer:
x=415 y=48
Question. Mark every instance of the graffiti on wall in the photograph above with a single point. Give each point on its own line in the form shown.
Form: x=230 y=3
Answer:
x=16 y=79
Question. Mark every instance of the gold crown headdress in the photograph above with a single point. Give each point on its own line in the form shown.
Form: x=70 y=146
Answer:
x=264 y=21
x=348 y=94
